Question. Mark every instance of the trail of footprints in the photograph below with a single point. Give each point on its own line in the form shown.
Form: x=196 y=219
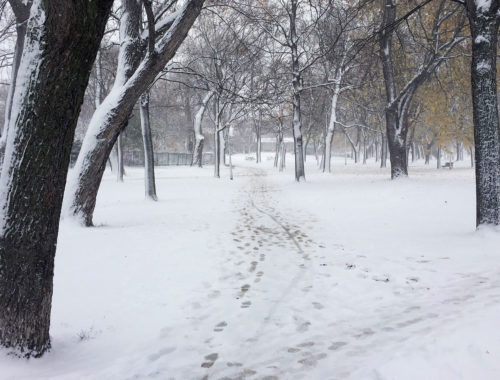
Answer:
x=255 y=235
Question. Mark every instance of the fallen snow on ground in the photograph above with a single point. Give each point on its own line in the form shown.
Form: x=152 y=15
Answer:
x=346 y=276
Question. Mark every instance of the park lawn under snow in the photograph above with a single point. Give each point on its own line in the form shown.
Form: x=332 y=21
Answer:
x=347 y=276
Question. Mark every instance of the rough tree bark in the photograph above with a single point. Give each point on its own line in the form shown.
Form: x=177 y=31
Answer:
x=111 y=117
x=395 y=112
x=147 y=138
x=62 y=40
x=484 y=21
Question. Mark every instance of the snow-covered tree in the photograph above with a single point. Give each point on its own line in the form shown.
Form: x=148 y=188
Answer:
x=21 y=10
x=62 y=39
x=484 y=20
x=143 y=56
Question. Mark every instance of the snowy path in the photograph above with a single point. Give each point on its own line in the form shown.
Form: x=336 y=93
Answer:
x=263 y=278
x=316 y=315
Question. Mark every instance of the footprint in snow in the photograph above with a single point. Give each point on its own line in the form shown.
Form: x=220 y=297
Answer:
x=220 y=326
x=210 y=360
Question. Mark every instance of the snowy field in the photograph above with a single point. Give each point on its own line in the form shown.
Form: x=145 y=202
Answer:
x=346 y=276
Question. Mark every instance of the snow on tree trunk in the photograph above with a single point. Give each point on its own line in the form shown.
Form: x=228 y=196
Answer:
x=484 y=21
x=396 y=137
x=147 y=138
x=331 y=126
x=21 y=13
x=134 y=76
x=297 y=89
x=199 y=139
x=298 y=139
x=217 y=144
x=59 y=52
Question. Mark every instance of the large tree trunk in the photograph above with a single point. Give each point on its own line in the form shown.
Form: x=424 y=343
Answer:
x=199 y=139
x=396 y=137
x=111 y=117
x=147 y=138
x=62 y=40
x=484 y=21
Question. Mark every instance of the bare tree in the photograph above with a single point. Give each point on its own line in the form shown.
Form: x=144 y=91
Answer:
x=437 y=45
x=290 y=25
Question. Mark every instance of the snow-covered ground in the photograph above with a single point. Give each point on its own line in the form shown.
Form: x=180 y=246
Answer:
x=347 y=276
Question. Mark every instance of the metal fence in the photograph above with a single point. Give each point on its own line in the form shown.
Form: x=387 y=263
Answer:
x=136 y=158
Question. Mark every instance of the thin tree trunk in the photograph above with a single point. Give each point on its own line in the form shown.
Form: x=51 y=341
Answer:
x=331 y=127
x=296 y=83
x=229 y=153
x=217 y=140
x=282 y=156
x=199 y=139
x=147 y=138
x=277 y=155
x=438 y=156
x=60 y=49
x=190 y=137
x=365 y=152
x=258 y=137
x=223 y=146
x=383 y=152
x=120 y=171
